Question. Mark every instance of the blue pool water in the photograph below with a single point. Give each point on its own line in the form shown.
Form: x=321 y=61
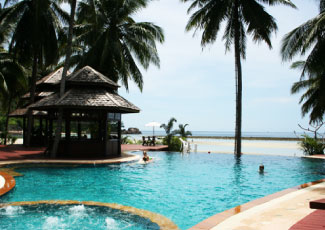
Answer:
x=185 y=188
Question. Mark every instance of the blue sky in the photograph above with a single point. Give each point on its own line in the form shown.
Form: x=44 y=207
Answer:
x=198 y=86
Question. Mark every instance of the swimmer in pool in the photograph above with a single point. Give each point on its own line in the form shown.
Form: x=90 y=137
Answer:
x=145 y=157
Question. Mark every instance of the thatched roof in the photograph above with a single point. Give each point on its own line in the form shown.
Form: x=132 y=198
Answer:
x=23 y=113
x=39 y=94
x=80 y=98
x=44 y=86
x=89 y=76
x=53 y=78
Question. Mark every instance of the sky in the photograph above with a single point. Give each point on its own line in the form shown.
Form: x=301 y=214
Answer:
x=197 y=86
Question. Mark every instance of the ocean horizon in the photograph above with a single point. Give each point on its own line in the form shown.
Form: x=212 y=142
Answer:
x=231 y=134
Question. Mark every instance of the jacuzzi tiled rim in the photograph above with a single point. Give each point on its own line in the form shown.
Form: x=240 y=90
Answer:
x=9 y=183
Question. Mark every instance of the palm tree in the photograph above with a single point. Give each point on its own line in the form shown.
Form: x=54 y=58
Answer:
x=181 y=131
x=73 y=5
x=168 y=129
x=242 y=17
x=34 y=36
x=314 y=97
x=309 y=36
x=114 y=40
x=13 y=84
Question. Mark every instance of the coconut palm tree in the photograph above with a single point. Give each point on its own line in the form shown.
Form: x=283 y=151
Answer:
x=34 y=36
x=181 y=131
x=310 y=36
x=314 y=96
x=241 y=17
x=73 y=5
x=168 y=129
x=114 y=40
x=13 y=83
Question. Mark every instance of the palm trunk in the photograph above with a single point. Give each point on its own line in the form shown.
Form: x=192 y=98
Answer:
x=238 y=83
x=7 y=121
x=58 y=130
x=32 y=99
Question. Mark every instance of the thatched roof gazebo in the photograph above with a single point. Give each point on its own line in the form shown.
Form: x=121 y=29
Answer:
x=44 y=87
x=92 y=115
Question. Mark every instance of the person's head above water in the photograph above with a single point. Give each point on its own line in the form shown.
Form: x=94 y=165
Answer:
x=261 y=168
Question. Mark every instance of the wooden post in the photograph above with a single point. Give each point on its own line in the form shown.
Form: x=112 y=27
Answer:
x=41 y=129
x=105 y=125
x=67 y=132
x=119 y=137
x=50 y=134
x=46 y=133
x=24 y=131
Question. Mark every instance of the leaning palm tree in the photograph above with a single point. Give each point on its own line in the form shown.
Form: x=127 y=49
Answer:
x=168 y=129
x=309 y=37
x=242 y=17
x=114 y=41
x=73 y=5
x=34 y=36
x=181 y=131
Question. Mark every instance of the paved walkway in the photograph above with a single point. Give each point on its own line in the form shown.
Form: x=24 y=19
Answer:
x=280 y=211
x=18 y=154
x=15 y=152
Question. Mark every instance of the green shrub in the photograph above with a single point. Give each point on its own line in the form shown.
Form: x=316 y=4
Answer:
x=312 y=146
x=175 y=144
x=127 y=140
x=10 y=139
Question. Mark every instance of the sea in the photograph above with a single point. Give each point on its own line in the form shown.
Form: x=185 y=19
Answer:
x=231 y=134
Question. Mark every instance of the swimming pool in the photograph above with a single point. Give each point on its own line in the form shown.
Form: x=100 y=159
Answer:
x=185 y=188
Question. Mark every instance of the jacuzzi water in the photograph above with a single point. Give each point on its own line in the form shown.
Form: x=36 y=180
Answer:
x=70 y=217
x=185 y=188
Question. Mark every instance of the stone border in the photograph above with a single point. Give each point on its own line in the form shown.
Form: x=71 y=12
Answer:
x=213 y=221
x=123 y=159
x=9 y=183
x=163 y=222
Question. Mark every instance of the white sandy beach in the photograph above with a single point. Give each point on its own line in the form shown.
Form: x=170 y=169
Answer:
x=256 y=147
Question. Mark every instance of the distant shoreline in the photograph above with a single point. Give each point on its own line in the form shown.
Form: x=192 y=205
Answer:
x=246 y=138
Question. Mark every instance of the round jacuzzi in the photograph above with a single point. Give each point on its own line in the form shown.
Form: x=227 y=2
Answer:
x=78 y=215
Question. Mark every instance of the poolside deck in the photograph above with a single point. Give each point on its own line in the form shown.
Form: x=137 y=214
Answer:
x=18 y=154
x=318 y=156
x=280 y=211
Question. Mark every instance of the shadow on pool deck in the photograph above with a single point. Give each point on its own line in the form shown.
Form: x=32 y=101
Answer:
x=20 y=152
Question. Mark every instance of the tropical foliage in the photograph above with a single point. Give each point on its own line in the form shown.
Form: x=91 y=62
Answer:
x=35 y=25
x=182 y=132
x=241 y=17
x=168 y=129
x=13 y=83
x=114 y=42
x=174 y=143
x=34 y=42
x=310 y=36
x=312 y=146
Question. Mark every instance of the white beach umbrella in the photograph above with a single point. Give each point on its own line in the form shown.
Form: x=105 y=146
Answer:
x=153 y=124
